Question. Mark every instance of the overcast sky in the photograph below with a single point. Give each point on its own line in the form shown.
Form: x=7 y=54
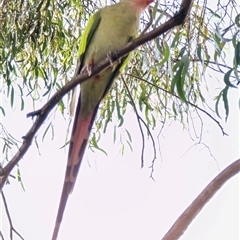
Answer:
x=114 y=198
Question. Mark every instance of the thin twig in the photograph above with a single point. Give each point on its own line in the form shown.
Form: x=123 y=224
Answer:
x=12 y=229
x=192 y=104
x=140 y=126
x=138 y=119
x=208 y=62
x=154 y=148
x=149 y=23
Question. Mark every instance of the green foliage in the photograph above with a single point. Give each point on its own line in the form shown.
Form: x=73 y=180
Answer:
x=8 y=143
x=168 y=75
x=38 y=41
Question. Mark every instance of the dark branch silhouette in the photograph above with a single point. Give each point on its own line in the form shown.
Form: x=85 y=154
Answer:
x=12 y=229
x=139 y=120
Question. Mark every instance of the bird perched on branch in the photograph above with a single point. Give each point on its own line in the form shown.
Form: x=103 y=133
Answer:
x=108 y=30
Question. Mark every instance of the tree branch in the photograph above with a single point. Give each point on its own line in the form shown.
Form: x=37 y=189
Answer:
x=42 y=113
x=12 y=229
x=190 y=103
x=1 y=235
x=139 y=119
x=191 y=212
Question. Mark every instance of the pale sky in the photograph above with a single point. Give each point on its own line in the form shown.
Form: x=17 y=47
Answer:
x=114 y=198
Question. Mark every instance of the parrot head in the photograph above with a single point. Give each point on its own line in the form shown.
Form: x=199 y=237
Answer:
x=141 y=4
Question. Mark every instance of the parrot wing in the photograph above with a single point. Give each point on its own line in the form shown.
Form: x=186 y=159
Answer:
x=86 y=37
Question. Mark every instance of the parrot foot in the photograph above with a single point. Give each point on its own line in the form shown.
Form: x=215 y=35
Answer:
x=88 y=69
x=111 y=56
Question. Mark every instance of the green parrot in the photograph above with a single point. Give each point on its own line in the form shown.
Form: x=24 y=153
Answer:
x=109 y=29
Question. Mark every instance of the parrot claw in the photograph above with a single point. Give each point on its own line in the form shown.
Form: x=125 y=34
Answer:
x=109 y=56
x=112 y=55
x=88 y=69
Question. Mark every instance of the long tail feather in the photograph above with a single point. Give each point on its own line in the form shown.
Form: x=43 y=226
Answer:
x=80 y=134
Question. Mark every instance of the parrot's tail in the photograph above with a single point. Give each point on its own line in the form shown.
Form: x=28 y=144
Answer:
x=80 y=135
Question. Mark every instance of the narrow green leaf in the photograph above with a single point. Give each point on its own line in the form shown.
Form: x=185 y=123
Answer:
x=225 y=100
x=130 y=145
x=180 y=89
x=227 y=79
x=213 y=13
x=146 y=115
x=177 y=73
x=19 y=178
x=61 y=106
x=237 y=20
x=47 y=92
x=182 y=51
x=217 y=104
x=155 y=10
x=153 y=122
x=46 y=130
x=122 y=150
x=174 y=109
x=180 y=76
x=120 y=118
x=166 y=53
x=199 y=52
x=237 y=76
x=64 y=145
x=237 y=53
x=2 y=110
x=12 y=97
x=22 y=104
x=114 y=134
x=129 y=135
x=175 y=40
x=94 y=143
